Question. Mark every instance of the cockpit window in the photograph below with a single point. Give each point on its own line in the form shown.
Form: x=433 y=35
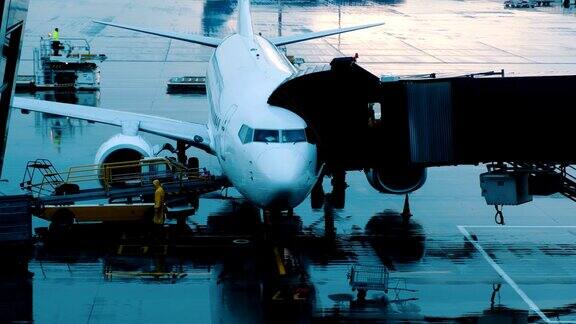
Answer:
x=293 y=135
x=245 y=134
x=248 y=135
x=266 y=135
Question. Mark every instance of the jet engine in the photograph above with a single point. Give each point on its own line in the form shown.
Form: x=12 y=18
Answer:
x=397 y=180
x=122 y=148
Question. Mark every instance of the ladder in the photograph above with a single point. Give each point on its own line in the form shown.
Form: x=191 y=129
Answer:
x=565 y=172
x=51 y=178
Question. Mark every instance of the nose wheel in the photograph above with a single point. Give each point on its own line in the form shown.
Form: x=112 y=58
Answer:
x=271 y=215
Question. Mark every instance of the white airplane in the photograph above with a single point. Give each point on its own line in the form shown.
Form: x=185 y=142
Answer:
x=262 y=149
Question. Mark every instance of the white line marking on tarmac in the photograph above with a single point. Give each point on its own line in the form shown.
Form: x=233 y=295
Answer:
x=518 y=226
x=504 y=275
x=501 y=272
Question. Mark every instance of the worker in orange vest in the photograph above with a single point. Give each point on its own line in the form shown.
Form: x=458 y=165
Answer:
x=158 y=203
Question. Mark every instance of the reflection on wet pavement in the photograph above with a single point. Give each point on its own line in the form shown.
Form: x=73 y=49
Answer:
x=128 y=275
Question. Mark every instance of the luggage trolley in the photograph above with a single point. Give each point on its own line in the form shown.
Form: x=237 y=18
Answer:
x=374 y=277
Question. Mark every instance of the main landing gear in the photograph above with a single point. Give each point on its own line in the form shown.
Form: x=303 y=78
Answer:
x=180 y=151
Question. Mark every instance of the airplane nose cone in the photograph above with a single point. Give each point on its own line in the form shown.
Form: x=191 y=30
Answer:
x=281 y=167
x=284 y=173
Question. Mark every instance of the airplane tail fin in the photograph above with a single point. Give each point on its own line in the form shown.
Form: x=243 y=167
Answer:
x=244 y=19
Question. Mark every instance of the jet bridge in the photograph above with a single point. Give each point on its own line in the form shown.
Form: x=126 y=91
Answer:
x=523 y=124
x=432 y=121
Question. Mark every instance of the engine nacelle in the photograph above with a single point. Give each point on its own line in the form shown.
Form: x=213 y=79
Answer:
x=123 y=148
x=396 y=180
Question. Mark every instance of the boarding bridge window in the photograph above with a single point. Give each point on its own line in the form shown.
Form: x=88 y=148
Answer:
x=293 y=136
x=266 y=135
x=374 y=114
x=245 y=134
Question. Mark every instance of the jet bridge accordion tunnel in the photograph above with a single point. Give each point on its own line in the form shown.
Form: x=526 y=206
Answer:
x=432 y=122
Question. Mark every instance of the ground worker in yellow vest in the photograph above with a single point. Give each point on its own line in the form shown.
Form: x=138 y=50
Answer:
x=56 y=42
x=158 y=203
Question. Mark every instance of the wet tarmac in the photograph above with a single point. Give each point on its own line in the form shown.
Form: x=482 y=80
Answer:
x=451 y=261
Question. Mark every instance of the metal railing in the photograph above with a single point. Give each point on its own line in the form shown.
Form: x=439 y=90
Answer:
x=138 y=173
x=565 y=171
x=43 y=167
x=77 y=49
x=70 y=45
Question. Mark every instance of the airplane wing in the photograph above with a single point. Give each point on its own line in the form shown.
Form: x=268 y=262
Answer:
x=284 y=40
x=197 y=39
x=192 y=133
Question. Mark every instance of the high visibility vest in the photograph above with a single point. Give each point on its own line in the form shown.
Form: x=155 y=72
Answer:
x=55 y=36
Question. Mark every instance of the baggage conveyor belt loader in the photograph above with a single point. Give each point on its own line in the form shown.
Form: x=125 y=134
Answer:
x=123 y=191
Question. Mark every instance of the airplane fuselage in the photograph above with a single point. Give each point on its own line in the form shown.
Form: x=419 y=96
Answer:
x=262 y=149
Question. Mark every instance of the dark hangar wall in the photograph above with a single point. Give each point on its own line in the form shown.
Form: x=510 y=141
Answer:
x=13 y=15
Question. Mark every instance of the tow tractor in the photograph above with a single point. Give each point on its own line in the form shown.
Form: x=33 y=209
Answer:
x=123 y=190
x=74 y=68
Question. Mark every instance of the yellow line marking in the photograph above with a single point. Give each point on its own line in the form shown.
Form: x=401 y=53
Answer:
x=279 y=263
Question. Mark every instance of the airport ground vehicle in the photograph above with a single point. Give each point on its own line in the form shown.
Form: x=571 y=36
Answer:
x=123 y=191
x=68 y=215
x=75 y=68
x=518 y=4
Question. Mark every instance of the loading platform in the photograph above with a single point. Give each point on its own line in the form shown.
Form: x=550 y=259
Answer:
x=114 y=181
x=126 y=188
x=65 y=65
